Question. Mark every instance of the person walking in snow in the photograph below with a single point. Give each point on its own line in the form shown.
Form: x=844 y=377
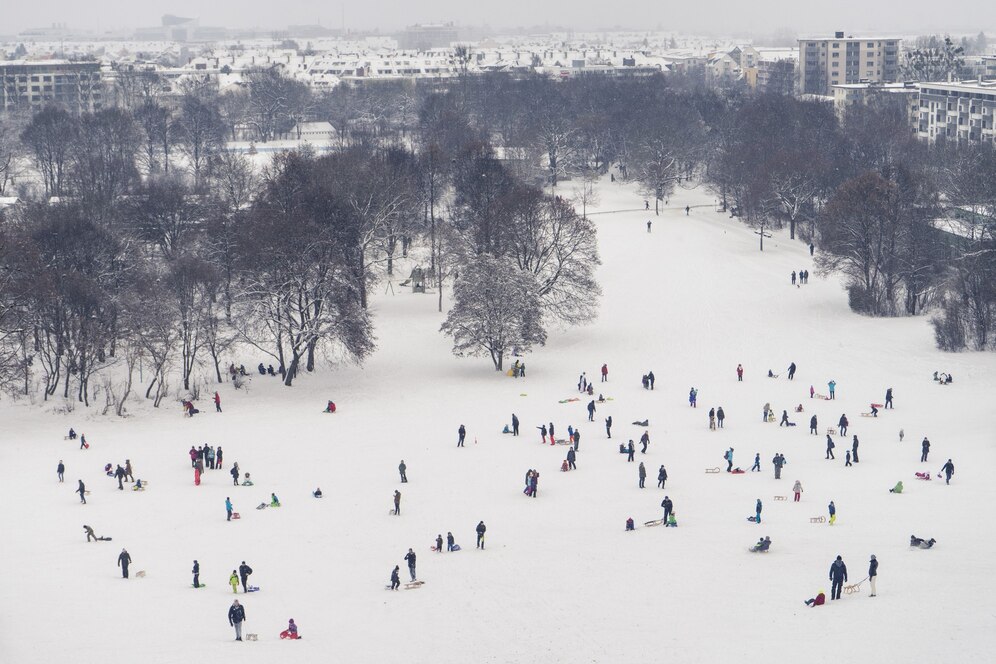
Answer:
x=842 y=423
x=237 y=616
x=693 y=398
x=872 y=573
x=644 y=441
x=757 y=463
x=661 y=477
x=591 y=410
x=119 y=474
x=542 y=429
x=196 y=571
x=797 y=490
x=757 y=510
x=650 y=379
x=582 y=382
x=123 y=561
x=577 y=439
x=948 y=470
x=740 y=373
x=791 y=371
x=605 y=373
x=832 y=385
x=410 y=559
x=90 y=534
x=631 y=449
x=233 y=581
x=832 y=509
x=395 y=578
x=712 y=419
x=830 y=447
x=534 y=484
x=515 y=425
x=234 y=472
x=462 y=432
x=793 y=277
x=838 y=575
x=925 y=450
x=766 y=411
x=812 y=391
x=228 y=508
x=642 y=472
x=571 y=457
x=439 y=543
x=244 y=573
x=847 y=458
x=397 y=502
x=551 y=433
x=729 y=459
x=449 y=541
x=608 y=426
x=720 y=416
x=812 y=425
x=129 y=473
x=217 y=402
x=888 y=398
x=785 y=419
x=778 y=462
x=401 y=470
x=854 y=449
x=60 y=470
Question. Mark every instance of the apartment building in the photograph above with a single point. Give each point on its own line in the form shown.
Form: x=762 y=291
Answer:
x=825 y=62
x=33 y=84
x=904 y=95
x=962 y=111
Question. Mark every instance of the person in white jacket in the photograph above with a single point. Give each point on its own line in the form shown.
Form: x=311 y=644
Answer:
x=797 y=488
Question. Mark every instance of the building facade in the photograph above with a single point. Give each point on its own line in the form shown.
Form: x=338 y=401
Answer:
x=824 y=62
x=76 y=86
x=962 y=111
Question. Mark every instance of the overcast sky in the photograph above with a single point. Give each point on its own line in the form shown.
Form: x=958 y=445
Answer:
x=717 y=16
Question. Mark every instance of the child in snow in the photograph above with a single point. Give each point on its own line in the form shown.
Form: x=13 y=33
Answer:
x=819 y=600
x=898 y=488
x=274 y=501
x=317 y=493
x=233 y=581
x=672 y=521
x=290 y=632
x=630 y=525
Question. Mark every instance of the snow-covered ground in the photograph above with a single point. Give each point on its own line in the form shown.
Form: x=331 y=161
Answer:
x=560 y=581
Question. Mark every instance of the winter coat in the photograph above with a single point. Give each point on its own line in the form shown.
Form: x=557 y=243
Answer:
x=236 y=614
x=124 y=559
x=757 y=508
x=394 y=576
x=820 y=600
x=643 y=472
x=797 y=488
x=662 y=475
x=812 y=422
x=571 y=456
x=720 y=415
x=244 y=570
x=838 y=571
x=778 y=461
x=842 y=422
x=481 y=528
x=667 y=504
x=410 y=557
x=228 y=505
x=873 y=568
x=577 y=437
x=832 y=509
x=197 y=568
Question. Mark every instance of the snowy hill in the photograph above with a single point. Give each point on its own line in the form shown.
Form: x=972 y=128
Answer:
x=560 y=580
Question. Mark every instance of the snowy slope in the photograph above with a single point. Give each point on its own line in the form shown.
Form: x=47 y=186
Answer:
x=560 y=580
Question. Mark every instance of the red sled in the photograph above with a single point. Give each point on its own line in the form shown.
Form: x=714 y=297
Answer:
x=86 y=446
x=923 y=476
x=236 y=515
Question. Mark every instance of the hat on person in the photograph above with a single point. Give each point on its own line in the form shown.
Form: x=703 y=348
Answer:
x=873 y=556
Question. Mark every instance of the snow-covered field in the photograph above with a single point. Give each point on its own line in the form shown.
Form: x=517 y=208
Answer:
x=560 y=581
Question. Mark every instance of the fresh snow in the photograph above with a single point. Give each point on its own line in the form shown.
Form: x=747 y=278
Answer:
x=560 y=581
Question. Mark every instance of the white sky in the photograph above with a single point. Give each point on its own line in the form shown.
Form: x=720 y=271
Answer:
x=718 y=16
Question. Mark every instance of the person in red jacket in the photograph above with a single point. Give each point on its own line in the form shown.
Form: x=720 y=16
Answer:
x=819 y=600
x=217 y=402
x=605 y=373
x=740 y=373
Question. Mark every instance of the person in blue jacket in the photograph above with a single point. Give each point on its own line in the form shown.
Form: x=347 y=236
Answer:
x=838 y=575
x=757 y=509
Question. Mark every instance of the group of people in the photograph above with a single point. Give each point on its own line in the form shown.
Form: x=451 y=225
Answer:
x=803 y=277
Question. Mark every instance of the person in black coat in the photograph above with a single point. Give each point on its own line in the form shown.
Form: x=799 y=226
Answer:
x=577 y=439
x=830 y=447
x=82 y=491
x=642 y=472
x=842 y=423
x=644 y=441
x=925 y=446
x=410 y=558
x=439 y=543
x=515 y=425
x=449 y=541
x=196 y=571
x=948 y=470
x=872 y=573
x=463 y=434
x=481 y=529
x=123 y=561
x=661 y=477
x=237 y=616
x=791 y=371
x=119 y=474
x=650 y=379
x=608 y=426
x=854 y=449
x=720 y=416
x=888 y=398
x=668 y=507
x=571 y=457
x=591 y=410
x=812 y=426
x=631 y=450
x=244 y=572
x=395 y=579
x=401 y=469
x=838 y=575
x=60 y=469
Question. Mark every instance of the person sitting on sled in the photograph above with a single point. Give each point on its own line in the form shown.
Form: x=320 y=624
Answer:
x=330 y=408
x=874 y=411
x=247 y=481
x=274 y=501
x=819 y=600
x=629 y=524
x=317 y=493
x=72 y=434
x=290 y=632
x=564 y=467
x=762 y=545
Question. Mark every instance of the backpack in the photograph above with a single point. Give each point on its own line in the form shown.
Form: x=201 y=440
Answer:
x=831 y=445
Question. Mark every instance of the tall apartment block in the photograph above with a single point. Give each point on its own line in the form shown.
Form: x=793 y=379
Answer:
x=33 y=84
x=827 y=62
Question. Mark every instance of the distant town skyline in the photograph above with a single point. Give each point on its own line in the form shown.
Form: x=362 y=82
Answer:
x=725 y=17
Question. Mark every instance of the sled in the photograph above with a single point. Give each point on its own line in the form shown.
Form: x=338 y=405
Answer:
x=252 y=637
x=432 y=548
x=291 y=637
x=712 y=470
x=456 y=547
x=248 y=483
x=831 y=431
x=644 y=423
x=509 y=373
x=104 y=539
x=752 y=519
x=817 y=519
x=86 y=446
x=236 y=515
x=570 y=400
x=781 y=497
x=413 y=585
x=655 y=522
x=203 y=585
x=923 y=476
x=563 y=442
x=877 y=405
x=523 y=394
x=822 y=396
x=752 y=549
x=738 y=471
x=854 y=587
x=140 y=574
x=867 y=415
x=252 y=589
x=262 y=506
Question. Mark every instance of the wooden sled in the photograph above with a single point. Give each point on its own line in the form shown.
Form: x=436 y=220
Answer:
x=236 y=515
x=823 y=396
x=781 y=497
x=252 y=637
x=831 y=431
x=854 y=587
x=140 y=574
x=413 y=585
x=656 y=522
x=561 y=441
x=712 y=470
x=817 y=519
x=867 y=415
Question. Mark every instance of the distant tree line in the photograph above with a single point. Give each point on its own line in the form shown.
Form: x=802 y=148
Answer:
x=141 y=242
